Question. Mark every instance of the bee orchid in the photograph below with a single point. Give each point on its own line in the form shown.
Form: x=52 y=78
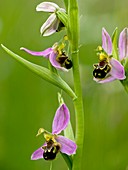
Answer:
x=56 y=56
x=54 y=142
x=108 y=68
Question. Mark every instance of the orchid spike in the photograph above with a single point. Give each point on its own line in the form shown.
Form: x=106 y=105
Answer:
x=54 y=142
x=52 y=24
x=108 y=68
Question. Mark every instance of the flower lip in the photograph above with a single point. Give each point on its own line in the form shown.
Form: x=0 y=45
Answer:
x=51 y=150
x=106 y=80
x=100 y=71
x=64 y=61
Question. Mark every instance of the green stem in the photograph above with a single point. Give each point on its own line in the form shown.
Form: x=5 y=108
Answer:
x=73 y=33
x=68 y=160
x=125 y=81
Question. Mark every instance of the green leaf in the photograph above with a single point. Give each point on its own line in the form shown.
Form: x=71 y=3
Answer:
x=68 y=160
x=63 y=17
x=68 y=132
x=43 y=73
x=114 y=44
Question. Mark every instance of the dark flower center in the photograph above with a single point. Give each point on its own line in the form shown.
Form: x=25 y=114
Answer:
x=64 y=61
x=60 y=27
x=101 y=70
x=68 y=63
x=50 y=154
x=51 y=150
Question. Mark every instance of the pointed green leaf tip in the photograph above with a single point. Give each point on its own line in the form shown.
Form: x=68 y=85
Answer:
x=114 y=43
x=43 y=73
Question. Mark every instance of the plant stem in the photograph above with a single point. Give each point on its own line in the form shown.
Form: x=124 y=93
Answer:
x=125 y=81
x=73 y=33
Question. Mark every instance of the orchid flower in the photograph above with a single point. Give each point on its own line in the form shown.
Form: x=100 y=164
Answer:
x=52 y=24
x=108 y=68
x=54 y=142
x=56 y=56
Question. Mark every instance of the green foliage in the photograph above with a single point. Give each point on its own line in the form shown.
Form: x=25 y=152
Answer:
x=68 y=132
x=66 y=4
x=43 y=73
x=125 y=81
x=114 y=43
x=63 y=17
x=25 y=105
x=68 y=160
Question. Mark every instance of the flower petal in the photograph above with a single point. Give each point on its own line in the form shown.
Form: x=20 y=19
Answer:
x=67 y=146
x=117 y=70
x=61 y=119
x=47 y=7
x=52 y=28
x=38 y=154
x=105 y=80
x=44 y=53
x=106 y=42
x=52 y=58
x=123 y=44
x=48 y=23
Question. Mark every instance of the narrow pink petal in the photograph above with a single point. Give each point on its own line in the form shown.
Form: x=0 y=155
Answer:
x=67 y=146
x=54 y=62
x=44 y=53
x=61 y=119
x=106 y=42
x=47 y=7
x=117 y=70
x=105 y=80
x=123 y=44
x=38 y=154
x=48 y=23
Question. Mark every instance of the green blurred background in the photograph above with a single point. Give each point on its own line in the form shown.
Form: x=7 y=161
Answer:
x=27 y=102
